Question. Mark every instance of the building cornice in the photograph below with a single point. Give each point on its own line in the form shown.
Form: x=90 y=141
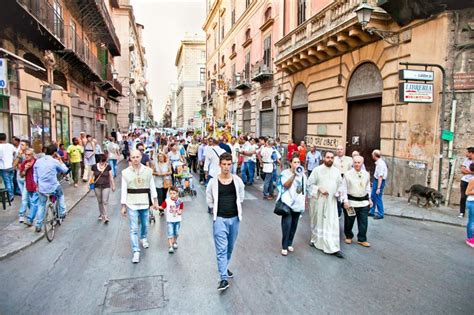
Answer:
x=211 y=14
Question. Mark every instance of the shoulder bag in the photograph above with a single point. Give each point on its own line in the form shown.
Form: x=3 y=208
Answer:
x=92 y=181
x=281 y=208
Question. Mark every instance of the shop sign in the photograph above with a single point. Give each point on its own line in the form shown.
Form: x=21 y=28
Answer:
x=416 y=75
x=3 y=74
x=416 y=92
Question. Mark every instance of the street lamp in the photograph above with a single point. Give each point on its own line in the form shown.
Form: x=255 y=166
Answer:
x=364 y=13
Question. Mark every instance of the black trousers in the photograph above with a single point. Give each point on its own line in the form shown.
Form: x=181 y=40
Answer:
x=201 y=172
x=362 y=214
x=289 y=223
x=193 y=163
x=161 y=194
x=462 y=205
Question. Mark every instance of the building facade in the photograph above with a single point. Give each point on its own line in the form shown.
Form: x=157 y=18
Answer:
x=131 y=68
x=59 y=56
x=191 y=67
x=340 y=83
x=241 y=86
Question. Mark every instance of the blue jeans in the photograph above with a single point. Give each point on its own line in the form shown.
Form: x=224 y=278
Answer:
x=225 y=235
x=268 y=185
x=42 y=204
x=234 y=168
x=377 y=199
x=173 y=229
x=133 y=216
x=470 y=219
x=32 y=201
x=7 y=176
x=24 y=196
x=113 y=165
x=250 y=167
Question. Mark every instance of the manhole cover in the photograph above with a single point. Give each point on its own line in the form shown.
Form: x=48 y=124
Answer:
x=135 y=294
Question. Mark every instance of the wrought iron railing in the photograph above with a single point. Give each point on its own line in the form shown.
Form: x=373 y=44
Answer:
x=47 y=15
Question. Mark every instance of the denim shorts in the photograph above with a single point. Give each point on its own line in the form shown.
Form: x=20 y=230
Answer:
x=173 y=229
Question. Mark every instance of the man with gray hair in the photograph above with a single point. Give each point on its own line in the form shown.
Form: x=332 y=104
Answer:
x=378 y=185
x=356 y=197
x=343 y=163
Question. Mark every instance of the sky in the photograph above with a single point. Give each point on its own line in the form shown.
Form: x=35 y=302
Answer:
x=166 y=22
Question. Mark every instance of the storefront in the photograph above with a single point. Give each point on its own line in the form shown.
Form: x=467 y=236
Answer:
x=39 y=115
x=62 y=125
x=4 y=110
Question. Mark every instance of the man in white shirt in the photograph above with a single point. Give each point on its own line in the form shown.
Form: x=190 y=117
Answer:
x=7 y=155
x=266 y=152
x=138 y=187
x=378 y=185
x=113 y=150
x=249 y=151
x=356 y=195
x=235 y=148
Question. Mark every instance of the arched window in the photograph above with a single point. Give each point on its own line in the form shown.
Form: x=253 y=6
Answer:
x=42 y=75
x=247 y=34
x=268 y=14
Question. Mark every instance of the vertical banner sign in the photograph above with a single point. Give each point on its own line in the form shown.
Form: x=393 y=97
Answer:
x=3 y=73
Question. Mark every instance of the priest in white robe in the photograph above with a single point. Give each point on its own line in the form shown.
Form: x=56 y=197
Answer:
x=323 y=186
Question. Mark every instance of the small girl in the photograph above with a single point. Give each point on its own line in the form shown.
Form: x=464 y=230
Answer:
x=173 y=207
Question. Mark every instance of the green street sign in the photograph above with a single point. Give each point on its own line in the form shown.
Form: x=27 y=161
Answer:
x=447 y=135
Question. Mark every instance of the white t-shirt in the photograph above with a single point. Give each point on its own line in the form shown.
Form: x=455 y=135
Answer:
x=173 y=209
x=467 y=177
x=250 y=147
x=295 y=196
x=7 y=154
x=113 y=150
x=266 y=154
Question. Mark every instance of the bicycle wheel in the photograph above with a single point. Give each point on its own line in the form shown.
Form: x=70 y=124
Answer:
x=49 y=222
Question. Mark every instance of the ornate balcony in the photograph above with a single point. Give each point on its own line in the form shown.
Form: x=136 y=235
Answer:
x=37 y=20
x=95 y=16
x=332 y=32
x=262 y=72
x=79 y=56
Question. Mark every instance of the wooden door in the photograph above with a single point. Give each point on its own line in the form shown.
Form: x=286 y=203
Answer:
x=363 y=129
x=300 y=124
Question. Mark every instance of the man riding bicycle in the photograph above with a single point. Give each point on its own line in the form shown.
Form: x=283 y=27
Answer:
x=45 y=175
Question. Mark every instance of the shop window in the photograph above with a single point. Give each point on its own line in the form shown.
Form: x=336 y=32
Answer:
x=62 y=125
x=39 y=124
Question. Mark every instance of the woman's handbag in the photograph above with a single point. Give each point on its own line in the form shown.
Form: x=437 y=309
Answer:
x=92 y=181
x=281 y=208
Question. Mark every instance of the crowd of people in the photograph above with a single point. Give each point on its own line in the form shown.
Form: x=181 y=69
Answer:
x=329 y=184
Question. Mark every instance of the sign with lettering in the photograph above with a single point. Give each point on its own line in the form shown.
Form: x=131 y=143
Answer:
x=322 y=141
x=3 y=73
x=464 y=81
x=416 y=75
x=416 y=92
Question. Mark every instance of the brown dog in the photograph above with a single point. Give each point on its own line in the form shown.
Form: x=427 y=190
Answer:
x=430 y=195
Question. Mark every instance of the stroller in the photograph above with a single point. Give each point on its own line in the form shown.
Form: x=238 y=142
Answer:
x=183 y=180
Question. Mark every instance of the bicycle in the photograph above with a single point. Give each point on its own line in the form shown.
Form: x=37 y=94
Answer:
x=52 y=217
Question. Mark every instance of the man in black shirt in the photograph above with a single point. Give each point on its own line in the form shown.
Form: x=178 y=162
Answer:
x=225 y=194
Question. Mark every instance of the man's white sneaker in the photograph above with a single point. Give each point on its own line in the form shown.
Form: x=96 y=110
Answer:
x=461 y=215
x=136 y=257
x=175 y=245
x=145 y=243
x=21 y=219
x=171 y=250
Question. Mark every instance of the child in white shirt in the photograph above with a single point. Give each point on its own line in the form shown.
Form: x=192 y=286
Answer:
x=173 y=208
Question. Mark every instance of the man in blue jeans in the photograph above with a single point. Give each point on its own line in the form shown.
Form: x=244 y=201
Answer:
x=138 y=186
x=45 y=174
x=7 y=155
x=224 y=195
x=249 y=151
x=378 y=185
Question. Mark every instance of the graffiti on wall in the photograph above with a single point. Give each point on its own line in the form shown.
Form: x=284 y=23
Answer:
x=318 y=141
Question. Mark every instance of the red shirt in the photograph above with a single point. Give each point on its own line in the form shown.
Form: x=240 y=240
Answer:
x=291 y=148
x=30 y=182
x=302 y=152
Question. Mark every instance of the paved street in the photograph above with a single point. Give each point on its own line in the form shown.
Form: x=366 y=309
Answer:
x=412 y=267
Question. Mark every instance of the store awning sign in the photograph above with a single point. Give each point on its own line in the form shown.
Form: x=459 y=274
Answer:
x=416 y=75
x=416 y=92
x=3 y=74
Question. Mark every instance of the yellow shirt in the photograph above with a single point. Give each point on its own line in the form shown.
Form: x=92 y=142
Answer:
x=75 y=152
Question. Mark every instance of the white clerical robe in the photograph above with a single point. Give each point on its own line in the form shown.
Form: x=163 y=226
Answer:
x=323 y=208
